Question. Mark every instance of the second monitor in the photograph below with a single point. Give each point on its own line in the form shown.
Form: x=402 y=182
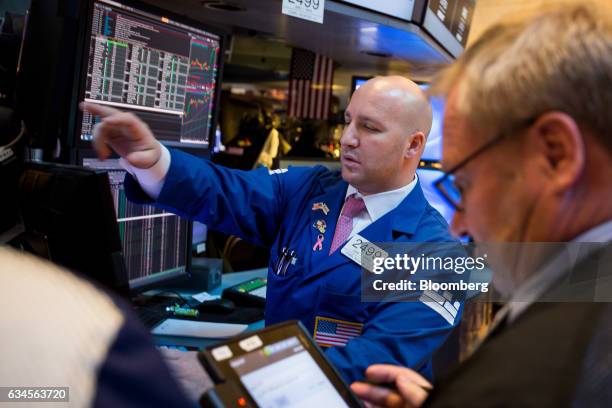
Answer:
x=156 y=244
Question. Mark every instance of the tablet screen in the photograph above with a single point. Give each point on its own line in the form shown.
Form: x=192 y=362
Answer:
x=284 y=374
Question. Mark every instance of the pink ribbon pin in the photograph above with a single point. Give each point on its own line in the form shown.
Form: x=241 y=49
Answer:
x=319 y=244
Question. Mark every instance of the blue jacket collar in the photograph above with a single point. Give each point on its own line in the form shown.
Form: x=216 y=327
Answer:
x=401 y=221
x=404 y=218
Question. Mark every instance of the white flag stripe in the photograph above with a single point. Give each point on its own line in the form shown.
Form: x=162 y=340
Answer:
x=334 y=338
x=313 y=91
x=332 y=342
x=300 y=100
x=321 y=92
x=316 y=90
x=300 y=111
x=321 y=113
x=328 y=83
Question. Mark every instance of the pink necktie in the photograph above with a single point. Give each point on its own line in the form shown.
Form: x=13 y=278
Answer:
x=352 y=207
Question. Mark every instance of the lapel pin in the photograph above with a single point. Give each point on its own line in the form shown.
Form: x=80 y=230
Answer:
x=320 y=225
x=320 y=206
x=319 y=244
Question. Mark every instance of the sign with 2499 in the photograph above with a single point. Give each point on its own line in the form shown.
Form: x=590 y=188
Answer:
x=311 y=10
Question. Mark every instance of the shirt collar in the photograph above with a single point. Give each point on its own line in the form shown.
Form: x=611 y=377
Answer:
x=380 y=204
x=601 y=233
x=536 y=285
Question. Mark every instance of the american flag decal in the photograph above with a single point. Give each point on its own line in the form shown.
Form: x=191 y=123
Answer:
x=331 y=332
x=310 y=84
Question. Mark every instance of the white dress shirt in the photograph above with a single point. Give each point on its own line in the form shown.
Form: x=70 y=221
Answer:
x=151 y=180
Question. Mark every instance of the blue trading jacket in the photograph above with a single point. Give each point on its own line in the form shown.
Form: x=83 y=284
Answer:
x=275 y=210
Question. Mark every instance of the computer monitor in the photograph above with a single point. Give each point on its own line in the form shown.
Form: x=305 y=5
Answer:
x=69 y=218
x=357 y=81
x=156 y=244
x=430 y=168
x=165 y=69
x=427 y=176
x=449 y=22
x=162 y=68
x=433 y=148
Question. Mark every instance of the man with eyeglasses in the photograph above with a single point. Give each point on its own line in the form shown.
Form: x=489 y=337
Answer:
x=528 y=157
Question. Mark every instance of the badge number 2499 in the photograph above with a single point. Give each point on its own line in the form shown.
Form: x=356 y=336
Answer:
x=363 y=252
x=367 y=248
x=314 y=4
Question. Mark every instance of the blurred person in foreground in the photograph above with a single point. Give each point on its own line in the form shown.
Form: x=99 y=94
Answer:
x=59 y=330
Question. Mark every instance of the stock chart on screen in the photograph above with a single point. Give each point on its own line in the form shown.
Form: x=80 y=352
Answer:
x=163 y=71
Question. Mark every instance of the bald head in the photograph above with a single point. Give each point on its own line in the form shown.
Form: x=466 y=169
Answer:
x=403 y=98
x=386 y=125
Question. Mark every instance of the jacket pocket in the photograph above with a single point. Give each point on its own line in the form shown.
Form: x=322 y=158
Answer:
x=340 y=306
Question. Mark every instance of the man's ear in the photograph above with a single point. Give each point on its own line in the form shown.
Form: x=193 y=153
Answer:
x=416 y=145
x=559 y=141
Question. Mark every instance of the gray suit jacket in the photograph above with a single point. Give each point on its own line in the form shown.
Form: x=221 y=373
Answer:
x=555 y=354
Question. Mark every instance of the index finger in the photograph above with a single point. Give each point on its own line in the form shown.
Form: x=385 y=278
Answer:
x=98 y=110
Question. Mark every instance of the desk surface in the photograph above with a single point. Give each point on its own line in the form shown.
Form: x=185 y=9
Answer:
x=228 y=279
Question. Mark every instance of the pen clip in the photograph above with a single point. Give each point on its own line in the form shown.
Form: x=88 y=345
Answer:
x=290 y=258
x=281 y=261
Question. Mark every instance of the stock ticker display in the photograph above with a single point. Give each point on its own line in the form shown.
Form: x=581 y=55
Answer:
x=154 y=241
x=161 y=70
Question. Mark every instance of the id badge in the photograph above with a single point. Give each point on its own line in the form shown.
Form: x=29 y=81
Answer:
x=362 y=252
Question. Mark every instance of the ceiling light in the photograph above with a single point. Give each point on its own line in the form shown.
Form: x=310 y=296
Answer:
x=378 y=54
x=222 y=6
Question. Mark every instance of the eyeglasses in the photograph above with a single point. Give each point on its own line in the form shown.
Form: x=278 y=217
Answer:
x=446 y=184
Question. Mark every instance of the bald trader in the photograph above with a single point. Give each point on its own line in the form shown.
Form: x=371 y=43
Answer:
x=305 y=215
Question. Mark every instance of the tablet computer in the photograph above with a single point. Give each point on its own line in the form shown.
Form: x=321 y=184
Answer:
x=279 y=366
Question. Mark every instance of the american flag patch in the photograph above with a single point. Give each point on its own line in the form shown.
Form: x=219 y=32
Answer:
x=331 y=332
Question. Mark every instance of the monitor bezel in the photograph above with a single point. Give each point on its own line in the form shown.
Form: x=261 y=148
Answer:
x=356 y=78
x=108 y=238
x=440 y=33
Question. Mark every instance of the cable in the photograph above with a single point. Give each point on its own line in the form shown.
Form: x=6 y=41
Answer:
x=17 y=138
